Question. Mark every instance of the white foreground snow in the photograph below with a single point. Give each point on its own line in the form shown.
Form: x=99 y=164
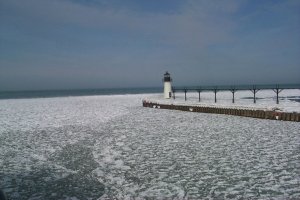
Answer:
x=110 y=147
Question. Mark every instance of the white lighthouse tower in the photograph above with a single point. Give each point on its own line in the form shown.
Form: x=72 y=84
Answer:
x=167 y=86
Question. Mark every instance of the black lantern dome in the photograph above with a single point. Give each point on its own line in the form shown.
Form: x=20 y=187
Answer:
x=167 y=77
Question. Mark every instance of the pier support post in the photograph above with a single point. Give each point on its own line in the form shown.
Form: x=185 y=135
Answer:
x=254 y=90
x=277 y=90
x=199 y=91
x=185 y=94
x=173 y=94
x=233 y=90
x=215 y=91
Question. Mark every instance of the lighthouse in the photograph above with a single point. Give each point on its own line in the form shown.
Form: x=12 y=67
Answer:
x=167 y=86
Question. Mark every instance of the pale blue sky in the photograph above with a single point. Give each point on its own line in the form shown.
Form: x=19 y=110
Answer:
x=62 y=44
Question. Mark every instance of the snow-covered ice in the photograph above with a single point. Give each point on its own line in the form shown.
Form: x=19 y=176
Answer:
x=110 y=147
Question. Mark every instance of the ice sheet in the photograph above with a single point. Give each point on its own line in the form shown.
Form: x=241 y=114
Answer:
x=111 y=147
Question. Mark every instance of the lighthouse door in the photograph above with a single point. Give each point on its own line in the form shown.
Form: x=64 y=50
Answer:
x=170 y=94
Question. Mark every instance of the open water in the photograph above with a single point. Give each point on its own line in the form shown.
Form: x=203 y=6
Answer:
x=110 y=147
x=75 y=92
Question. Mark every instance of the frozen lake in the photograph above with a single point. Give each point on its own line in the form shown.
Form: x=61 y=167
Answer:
x=111 y=147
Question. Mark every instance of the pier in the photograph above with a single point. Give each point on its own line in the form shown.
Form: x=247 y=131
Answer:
x=254 y=113
x=233 y=89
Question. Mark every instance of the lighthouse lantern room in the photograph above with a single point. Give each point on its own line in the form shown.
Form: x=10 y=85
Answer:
x=167 y=86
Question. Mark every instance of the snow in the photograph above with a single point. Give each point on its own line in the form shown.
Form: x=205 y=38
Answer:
x=289 y=100
x=110 y=147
